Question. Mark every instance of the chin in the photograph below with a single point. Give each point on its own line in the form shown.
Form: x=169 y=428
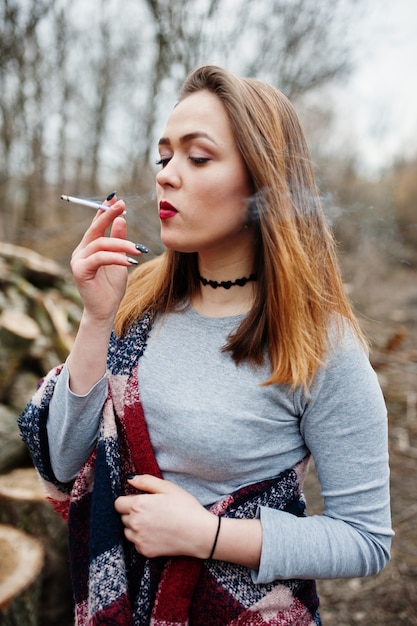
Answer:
x=182 y=249
x=177 y=246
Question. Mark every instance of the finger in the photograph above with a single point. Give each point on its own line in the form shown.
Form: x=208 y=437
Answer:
x=88 y=265
x=114 y=208
x=109 y=201
x=111 y=198
x=126 y=505
x=119 y=228
x=102 y=221
x=122 y=504
x=101 y=248
x=151 y=484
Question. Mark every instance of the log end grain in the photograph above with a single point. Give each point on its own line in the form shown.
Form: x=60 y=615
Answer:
x=21 y=563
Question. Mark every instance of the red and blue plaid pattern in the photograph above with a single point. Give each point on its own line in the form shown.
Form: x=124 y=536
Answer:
x=113 y=584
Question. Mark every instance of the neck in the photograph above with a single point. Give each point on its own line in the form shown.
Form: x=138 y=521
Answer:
x=228 y=266
x=221 y=303
x=224 y=301
x=227 y=284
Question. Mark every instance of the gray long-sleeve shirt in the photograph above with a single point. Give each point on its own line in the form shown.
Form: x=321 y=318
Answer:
x=215 y=428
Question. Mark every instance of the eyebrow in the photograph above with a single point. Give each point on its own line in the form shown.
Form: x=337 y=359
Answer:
x=165 y=141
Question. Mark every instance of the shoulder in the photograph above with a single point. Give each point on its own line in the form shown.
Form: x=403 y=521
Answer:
x=345 y=393
x=344 y=345
x=346 y=370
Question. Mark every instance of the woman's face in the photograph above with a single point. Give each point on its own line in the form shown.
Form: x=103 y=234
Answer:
x=203 y=186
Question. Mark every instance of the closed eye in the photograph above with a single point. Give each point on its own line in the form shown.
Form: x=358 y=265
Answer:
x=199 y=160
x=163 y=161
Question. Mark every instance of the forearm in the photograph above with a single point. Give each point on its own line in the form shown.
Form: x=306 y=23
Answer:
x=87 y=361
x=239 y=541
x=319 y=547
x=72 y=426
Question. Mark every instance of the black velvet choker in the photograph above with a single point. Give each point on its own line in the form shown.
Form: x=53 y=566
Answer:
x=226 y=284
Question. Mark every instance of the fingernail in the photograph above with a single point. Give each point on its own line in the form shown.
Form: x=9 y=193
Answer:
x=130 y=476
x=132 y=261
x=111 y=196
x=141 y=248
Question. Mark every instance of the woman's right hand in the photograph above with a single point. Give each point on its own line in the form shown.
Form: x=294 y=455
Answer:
x=99 y=263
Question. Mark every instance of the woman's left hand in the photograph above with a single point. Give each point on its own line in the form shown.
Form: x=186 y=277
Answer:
x=165 y=520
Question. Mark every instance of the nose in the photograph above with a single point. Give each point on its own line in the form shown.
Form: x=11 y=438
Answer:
x=169 y=175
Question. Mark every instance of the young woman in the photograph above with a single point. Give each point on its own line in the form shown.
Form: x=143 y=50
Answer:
x=177 y=436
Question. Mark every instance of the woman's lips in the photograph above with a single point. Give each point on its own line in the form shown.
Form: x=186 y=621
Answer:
x=166 y=210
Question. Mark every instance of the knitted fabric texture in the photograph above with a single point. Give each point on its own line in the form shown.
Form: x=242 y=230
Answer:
x=112 y=582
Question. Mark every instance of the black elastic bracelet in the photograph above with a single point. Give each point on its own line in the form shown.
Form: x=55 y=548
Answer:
x=215 y=538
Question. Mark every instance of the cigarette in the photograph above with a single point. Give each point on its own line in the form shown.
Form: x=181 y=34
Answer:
x=83 y=202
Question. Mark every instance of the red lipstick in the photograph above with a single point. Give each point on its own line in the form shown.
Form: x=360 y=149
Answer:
x=166 y=210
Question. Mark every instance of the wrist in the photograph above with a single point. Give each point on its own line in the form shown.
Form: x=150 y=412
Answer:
x=205 y=536
x=98 y=323
x=216 y=537
x=239 y=541
x=87 y=360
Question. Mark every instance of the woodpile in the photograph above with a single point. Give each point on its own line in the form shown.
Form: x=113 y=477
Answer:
x=39 y=314
x=20 y=581
x=23 y=506
x=39 y=309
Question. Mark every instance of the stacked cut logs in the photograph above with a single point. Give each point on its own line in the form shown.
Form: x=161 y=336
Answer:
x=47 y=593
x=39 y=314
x=39 y=310
x=21 y=565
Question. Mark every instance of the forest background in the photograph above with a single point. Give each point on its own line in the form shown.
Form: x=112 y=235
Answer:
x=85 y=90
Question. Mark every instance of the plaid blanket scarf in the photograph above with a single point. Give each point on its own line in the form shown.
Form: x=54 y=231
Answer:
x=113 y=584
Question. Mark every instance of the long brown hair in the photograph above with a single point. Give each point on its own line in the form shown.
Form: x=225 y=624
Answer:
x=299 y=287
